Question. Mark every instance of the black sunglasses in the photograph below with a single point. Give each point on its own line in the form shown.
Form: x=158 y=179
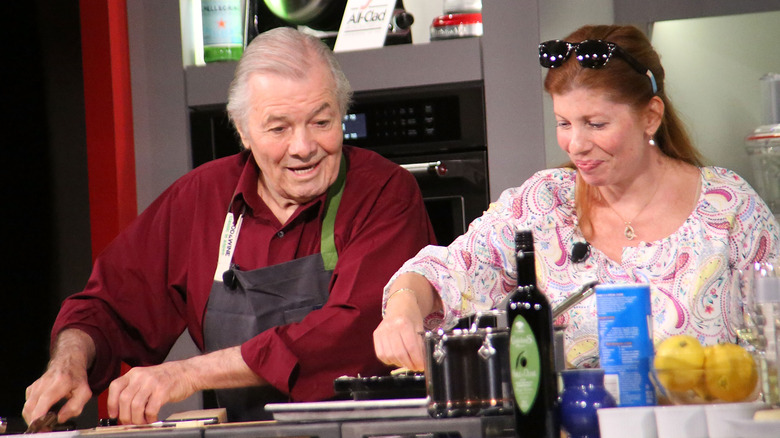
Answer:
x=590 y=54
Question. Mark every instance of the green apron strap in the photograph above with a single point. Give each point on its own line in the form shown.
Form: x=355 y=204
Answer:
x=327 y=242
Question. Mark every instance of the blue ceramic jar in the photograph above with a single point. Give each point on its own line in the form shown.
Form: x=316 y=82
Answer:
x=583 y=393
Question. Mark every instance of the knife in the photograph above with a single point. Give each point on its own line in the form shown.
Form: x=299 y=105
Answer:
x=112 y=425
x=44 y=423
x=48 y=422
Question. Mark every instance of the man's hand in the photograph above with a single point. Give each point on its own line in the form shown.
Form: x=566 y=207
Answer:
x=137 y=396
x=65 y=377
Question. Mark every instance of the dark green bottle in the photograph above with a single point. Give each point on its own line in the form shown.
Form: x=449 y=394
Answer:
x=531 y=356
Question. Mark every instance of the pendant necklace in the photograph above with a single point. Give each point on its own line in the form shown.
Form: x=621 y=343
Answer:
x=629 y=232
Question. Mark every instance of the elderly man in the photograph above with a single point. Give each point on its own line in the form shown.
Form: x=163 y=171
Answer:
x=274 y=259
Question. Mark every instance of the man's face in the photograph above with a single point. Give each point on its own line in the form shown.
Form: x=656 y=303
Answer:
x=294 y=133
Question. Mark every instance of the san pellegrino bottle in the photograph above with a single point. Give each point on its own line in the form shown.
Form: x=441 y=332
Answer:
x=223 y=30
x=531 y=356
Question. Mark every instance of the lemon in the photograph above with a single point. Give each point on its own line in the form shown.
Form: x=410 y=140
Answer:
x=729 y=372
x=679 y=362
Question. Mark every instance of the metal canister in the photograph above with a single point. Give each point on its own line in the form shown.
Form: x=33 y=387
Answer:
x=467 y=369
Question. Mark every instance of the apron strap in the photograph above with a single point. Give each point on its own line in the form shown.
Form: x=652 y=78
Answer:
x=327 y=242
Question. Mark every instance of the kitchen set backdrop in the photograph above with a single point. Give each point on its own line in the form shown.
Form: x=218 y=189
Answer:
x=467 y=121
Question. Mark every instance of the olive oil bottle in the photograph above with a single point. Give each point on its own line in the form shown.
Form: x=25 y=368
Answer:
x=531 y=356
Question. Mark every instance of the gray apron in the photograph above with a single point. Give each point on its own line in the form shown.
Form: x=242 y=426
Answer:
x=244 y=303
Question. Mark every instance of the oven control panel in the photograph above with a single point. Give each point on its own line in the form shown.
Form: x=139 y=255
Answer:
x=417 y=120
x=422 y=120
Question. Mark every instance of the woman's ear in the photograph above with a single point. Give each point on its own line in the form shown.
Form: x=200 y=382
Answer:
x=654 y=114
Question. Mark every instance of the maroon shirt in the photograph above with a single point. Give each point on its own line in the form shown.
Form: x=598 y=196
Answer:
x=153 y=280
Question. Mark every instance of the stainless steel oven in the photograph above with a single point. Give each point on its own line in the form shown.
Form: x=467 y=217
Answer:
x=436 y=132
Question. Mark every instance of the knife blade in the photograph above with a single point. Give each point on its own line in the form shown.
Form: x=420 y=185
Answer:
x=48 y=422
x=44 y=423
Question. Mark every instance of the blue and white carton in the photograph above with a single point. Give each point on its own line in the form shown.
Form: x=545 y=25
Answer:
x=626 y=352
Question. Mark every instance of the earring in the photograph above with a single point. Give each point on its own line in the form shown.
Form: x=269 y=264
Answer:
x=652 y=142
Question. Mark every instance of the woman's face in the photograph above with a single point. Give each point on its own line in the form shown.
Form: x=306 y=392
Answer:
x=607 y=141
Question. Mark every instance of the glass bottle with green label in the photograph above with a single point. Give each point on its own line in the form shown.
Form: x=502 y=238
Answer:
x=223 y=30
x=532 y=363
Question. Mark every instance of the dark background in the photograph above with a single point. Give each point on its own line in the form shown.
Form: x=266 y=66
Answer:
x=45 y=215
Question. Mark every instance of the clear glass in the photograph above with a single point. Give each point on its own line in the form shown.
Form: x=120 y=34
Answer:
x=755 y=317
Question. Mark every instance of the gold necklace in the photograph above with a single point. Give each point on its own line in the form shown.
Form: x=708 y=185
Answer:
x=629 y=232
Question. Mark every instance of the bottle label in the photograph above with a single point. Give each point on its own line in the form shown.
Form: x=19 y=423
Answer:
x=525 y=364
x=222 y=23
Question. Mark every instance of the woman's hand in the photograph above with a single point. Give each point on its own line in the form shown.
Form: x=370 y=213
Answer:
x=397 y=339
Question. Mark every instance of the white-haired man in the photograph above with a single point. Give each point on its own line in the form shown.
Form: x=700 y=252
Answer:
x=274 y=259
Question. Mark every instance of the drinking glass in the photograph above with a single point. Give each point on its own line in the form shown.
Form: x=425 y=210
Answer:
x=754 y=313
x=744 y=315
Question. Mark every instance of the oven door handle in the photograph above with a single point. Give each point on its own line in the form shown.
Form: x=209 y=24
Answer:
x=432 y=168
x=468 y=169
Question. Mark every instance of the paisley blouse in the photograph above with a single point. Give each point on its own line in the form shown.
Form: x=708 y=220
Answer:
x=691 y=272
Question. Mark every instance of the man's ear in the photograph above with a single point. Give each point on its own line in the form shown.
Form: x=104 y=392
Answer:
x=244 y=142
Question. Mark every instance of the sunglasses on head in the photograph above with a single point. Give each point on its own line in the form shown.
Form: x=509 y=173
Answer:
x=590 y=54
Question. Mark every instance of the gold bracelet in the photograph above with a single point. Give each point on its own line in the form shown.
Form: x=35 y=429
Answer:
x=403 y=289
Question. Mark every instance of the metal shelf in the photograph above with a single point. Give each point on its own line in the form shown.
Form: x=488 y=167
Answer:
x=407 y=65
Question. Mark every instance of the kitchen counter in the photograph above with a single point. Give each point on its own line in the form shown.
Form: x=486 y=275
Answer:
x=465 y=427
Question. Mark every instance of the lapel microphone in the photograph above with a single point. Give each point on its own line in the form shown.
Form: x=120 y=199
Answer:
x=580 y=252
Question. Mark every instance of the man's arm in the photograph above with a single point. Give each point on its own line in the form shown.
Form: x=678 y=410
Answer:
x=65 y=377
x=137 y=396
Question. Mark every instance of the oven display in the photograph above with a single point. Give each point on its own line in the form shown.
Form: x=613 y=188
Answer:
x=354 y=126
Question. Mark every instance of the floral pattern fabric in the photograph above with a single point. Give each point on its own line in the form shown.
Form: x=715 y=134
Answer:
x=691 y=272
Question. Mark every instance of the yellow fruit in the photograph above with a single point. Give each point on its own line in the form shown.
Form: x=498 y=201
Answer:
x=729 y=372
x=679 y=362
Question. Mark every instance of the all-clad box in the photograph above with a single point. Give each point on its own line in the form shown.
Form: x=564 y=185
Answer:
x=626 y=342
